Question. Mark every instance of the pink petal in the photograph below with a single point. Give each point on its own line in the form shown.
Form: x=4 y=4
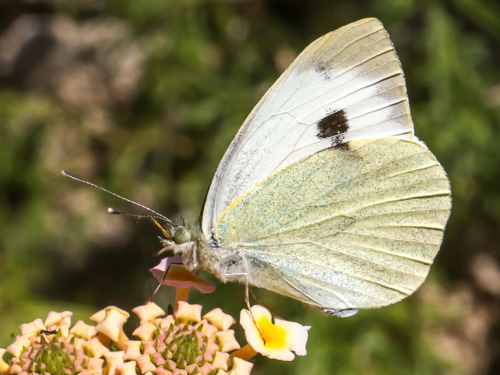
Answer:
x=179 y=277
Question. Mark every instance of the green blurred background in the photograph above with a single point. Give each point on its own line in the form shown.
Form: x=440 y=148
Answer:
x=143 y=97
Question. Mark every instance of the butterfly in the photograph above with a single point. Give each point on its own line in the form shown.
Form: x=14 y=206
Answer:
x=326 y=195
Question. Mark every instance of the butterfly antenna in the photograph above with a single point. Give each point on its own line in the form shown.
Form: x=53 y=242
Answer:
x=158 y=215
x=153 y=218
x=139 y=216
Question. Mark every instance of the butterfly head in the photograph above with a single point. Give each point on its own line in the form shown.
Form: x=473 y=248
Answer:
x=181 y=239
x=181 y=235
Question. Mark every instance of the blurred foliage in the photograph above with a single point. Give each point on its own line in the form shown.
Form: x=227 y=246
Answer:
x=143 y=97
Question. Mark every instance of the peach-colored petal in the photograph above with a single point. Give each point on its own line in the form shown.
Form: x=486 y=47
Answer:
x=220 y=360
x=145 y=331
x=206 y=369
x=16 y=348
x=99 y=316
x=227 y=340
x=187 y=312
x=31 y=329
x=127 y=368
x=95 y=365
x=94 y=348
x=178 y=371
x=112 y=324
x=16 y=369
x=149 y=347
x=164 y=322
x=4 y=366
x=208 y=329
x=61 y=320
x=296 y=335
x=113 y=359
x=158 y=359
x=145 y=364
x=132 y=349
x=221 y=372
x=241 y=367
x=178 y=276
x=85 y=331
x=148 y=312
x=78 y=342
x=219 y=319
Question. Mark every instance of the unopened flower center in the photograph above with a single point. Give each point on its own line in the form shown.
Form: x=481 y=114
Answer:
x=52 y=358
x=273 y=335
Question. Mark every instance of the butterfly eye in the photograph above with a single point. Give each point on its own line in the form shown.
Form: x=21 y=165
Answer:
x=181 y=235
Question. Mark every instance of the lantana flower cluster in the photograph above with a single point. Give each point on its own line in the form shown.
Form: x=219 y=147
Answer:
x=183 y=343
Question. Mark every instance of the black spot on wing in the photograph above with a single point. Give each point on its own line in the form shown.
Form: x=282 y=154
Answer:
x=323 y=70
x=333 y=126
x=320 y=68
x=342 y=146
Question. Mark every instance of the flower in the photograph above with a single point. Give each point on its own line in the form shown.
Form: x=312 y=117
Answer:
x=54 y=347
x=274 y=340
x=185 y=343
x=188 y=343
x=110 y=323
x=179 y=277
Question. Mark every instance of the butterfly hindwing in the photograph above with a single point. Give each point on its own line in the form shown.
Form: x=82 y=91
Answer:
x=343 y=228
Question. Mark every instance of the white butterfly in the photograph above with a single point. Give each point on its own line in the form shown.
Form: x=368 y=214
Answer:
x=325 y=194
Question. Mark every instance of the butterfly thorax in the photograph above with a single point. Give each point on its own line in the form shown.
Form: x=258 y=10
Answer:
x=226 y=264
x=199 y=253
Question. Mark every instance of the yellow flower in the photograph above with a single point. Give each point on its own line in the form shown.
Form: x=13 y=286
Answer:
x=274 y=340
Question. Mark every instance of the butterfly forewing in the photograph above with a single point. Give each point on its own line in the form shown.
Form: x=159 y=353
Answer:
x=346 y=85
x=354 y=227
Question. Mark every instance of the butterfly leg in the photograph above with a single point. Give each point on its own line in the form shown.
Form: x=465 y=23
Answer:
x=247 y=301
x=247 y=297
